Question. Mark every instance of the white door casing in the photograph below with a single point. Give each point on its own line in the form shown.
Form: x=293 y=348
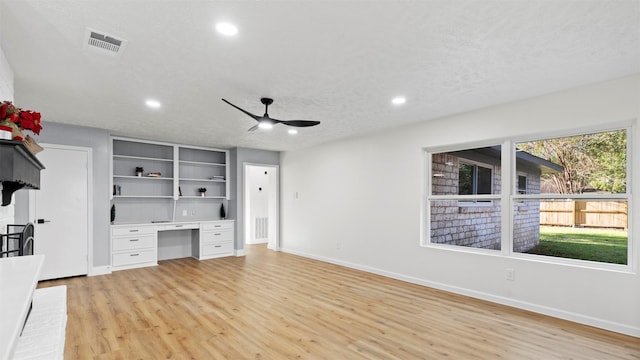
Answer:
x=274 y=218
x=61 y=211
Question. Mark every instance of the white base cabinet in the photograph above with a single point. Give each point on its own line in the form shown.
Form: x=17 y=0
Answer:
x=215 y=240
x=133 y=246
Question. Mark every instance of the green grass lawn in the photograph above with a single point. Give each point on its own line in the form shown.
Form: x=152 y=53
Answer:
x=603 y=245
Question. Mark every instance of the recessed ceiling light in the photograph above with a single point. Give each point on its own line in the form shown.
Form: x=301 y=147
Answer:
x=292 y=131
x=399 y=100
x=154 y=104
x=226 y=28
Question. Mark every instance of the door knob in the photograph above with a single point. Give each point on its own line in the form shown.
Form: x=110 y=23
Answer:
x=42 y=221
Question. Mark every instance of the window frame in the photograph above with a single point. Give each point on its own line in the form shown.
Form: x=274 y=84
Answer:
x=510 y=198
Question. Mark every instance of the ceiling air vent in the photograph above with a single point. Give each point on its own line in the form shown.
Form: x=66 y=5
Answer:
x=103 y=43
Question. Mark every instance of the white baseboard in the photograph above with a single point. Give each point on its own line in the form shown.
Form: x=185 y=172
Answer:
x=240 y=252
x=100 y=270
x=255 y=242
x=557 y=313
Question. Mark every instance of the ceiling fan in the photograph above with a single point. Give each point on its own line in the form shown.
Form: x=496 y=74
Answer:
x=266 y=122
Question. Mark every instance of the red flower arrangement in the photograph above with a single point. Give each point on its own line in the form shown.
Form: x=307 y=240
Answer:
x=18 y=119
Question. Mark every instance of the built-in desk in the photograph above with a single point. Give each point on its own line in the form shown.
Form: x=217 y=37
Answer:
x=136 y=245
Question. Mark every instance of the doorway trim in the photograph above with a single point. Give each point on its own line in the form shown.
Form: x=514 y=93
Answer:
x=276 y=189
x=32 y=199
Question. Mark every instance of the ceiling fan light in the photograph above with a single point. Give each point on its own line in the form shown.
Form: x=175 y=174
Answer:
x=265 y=125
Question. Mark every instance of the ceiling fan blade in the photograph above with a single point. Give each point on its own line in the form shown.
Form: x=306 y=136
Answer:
x=255 y=117
x=299 y=123
x=253 y=128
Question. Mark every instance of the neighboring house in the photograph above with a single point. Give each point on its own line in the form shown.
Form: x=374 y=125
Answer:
x=477 y=223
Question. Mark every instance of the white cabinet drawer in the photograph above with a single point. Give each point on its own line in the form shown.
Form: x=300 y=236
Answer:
x=217 y=248
x=217 y=225
x=134 y=257
x=132 y=230
x=134 y=242
x=181 y=226
x=216 y=236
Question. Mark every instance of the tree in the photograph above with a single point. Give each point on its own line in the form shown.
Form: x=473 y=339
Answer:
x=609 y=151
x=597 y=161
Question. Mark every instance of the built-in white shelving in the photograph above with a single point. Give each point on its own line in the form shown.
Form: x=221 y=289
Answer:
x=178 y=173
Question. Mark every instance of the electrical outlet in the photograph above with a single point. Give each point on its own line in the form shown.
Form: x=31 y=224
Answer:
x=511 y=274
x=193 y=212
x=184 y=212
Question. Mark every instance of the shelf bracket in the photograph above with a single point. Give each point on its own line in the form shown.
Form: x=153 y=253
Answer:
x=8 y=188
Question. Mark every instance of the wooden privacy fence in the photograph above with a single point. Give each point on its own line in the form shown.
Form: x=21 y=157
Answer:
x=605 y=214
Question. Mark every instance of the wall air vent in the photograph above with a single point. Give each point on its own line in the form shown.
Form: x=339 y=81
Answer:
x=103 y=43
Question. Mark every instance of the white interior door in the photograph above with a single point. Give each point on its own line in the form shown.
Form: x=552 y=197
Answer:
x=60 y=211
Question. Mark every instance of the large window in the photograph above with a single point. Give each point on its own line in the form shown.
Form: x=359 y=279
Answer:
x=578 y=207
x=462 y=209
x=568 y=197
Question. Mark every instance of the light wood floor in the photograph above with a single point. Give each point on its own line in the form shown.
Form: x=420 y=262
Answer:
x=271 y=305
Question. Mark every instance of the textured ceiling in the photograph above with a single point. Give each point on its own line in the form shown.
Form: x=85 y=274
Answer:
x=339 y=62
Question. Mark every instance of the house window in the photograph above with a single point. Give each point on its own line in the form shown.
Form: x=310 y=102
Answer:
x=568 y=198
x=473 y=179
x=522 y=184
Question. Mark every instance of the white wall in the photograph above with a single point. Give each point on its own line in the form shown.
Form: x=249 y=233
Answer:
x=6 y=79
x=359 y=205
x=6 y=93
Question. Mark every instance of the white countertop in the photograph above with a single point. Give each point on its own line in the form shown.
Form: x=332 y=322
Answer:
x=129 y=223
x=18 y=279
